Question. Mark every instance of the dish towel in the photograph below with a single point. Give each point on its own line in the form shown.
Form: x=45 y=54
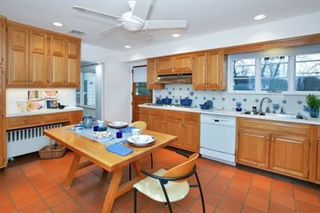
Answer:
x=119 y=149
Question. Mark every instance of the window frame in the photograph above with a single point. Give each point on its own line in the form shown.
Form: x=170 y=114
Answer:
x=290 y=52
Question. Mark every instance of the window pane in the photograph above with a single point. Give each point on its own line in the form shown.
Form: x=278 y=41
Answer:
x=244 y=74
x=308 y=72
x=274 y=73
x=141 y=89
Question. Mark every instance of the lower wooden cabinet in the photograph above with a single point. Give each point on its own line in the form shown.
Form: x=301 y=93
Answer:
x=280 y=147
x=184 y=125
x=3 y=150
x=318 y=163
x=249 y=140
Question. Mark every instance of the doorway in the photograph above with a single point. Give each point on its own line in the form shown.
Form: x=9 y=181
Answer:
x=88 y=95
x=140 y=93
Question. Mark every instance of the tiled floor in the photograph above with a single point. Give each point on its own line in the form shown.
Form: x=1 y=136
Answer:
x=37 y=187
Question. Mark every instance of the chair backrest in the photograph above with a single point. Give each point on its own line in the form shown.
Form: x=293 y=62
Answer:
x=140 y=125
x=182 y=169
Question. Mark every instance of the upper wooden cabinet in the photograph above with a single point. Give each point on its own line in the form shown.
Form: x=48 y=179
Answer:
x=38 y=58
x=208 y=71
x=2 y=41
x=38 y=72
x=152 y=75
x=180 y=64
x=18 y=56
x=57 y=61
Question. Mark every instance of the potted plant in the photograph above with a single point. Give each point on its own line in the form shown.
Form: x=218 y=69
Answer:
x=314 y=105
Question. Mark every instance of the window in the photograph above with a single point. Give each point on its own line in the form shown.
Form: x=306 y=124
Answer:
x=274 y=73
x=307 y=76
x=289 y=70
x=244 y=74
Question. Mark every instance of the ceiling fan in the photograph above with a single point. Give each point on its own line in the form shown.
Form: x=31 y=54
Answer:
x=136 y=19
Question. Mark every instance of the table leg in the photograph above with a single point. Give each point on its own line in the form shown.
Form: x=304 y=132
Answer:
x=72 y=171
x=137 y=168
x=112 y=190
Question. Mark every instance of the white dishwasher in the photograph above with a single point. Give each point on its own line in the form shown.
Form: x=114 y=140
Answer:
x=218 y=138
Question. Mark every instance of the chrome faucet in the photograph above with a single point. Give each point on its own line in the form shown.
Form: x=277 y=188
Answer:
x=261 y=103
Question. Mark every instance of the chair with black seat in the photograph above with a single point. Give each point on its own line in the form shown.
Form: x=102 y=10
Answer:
x=168 y=186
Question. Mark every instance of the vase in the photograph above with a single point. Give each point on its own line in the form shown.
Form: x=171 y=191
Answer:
x=314 y=112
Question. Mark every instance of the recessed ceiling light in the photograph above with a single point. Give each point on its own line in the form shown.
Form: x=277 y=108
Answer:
x=57 y=24
x=260 y=17
x=175 y=35
x=127 y=46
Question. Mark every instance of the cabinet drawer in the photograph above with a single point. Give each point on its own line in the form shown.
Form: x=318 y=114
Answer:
x=175 y=115
x=144 y=111
x=56 y=118
x=192 y=117
x=297 y=129
x=21 y=122
x=156 y=112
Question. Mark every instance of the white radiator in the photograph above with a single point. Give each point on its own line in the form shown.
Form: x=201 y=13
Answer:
x=24 y=141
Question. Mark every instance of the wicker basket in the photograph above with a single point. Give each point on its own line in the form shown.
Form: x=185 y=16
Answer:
x=52 y=151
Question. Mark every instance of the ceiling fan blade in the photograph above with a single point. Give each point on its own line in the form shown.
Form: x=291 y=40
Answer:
x=110 y=28
x=95 y=12
x=164 y=24
x=141 y=9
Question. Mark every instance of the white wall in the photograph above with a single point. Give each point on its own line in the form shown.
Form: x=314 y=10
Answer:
x=286 y=28
x=116 y=78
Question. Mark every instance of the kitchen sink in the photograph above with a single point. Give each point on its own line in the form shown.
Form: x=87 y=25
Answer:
x=275 y=115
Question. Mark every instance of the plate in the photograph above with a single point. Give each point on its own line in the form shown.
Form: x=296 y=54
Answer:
x=118 y=124
x=141 y=140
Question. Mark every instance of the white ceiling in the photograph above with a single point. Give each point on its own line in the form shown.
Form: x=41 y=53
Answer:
x=204 y=16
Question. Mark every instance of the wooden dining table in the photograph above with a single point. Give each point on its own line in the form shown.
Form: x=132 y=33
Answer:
x=96 y=153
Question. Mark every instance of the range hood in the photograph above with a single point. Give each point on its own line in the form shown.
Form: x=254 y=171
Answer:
x=174 y=79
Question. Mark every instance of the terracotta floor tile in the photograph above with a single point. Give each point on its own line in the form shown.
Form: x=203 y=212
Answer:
x=7 y=207
x=248 y=209
x=277 y=208
x=281 y=187
x=27 y=200
x=283 y=200
x=212 y=198
x=236 y=195
x=87 y=198
x=57 y=198
x=306 y=208
x=227 y=205
x=37 y=207
x=49 y=190
x=257 y=202
x=219 y=184
x=67 y=206
x=197 y=207
x=227 y=171
x=259 y=192
x=4 y=196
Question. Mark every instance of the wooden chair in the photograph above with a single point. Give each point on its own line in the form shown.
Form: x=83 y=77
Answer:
x=169 y=185
x=143 y=126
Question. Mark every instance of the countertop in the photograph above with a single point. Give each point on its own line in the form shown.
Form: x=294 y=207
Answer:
x=279 y=117
x=44 y=111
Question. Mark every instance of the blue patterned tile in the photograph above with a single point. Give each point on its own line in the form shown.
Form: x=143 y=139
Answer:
x=284 y=101
x=233 y=99
x=213 y=98
x=188 y=89
x=299 y=102
x=257 y=100
x=170 y=93
x=244 y=100
x=176 y=101
x=195 y=97
x=173 y=89
x=180 y=88
x=191 y=93
x=204 y=98
x=223 y=99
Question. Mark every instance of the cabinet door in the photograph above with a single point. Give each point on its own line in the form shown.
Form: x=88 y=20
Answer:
x=215 y=72
x=152 y=75
x=253 y=148
x=57 y=61
x=165 y=66
x=182 y=64
x=73 y=63
x=199 y=71
x=318 y=162
x=2 y=40
x=191 y=136
x=158 y=123
x=38 y=74
x=175 y=127
x=2 y=93
x=289 y=155
x=3 y=149
x=17 y=74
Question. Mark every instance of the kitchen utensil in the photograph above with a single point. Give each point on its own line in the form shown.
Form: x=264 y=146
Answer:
x=60 y=106
x=118 y=124
x=87 y=122
x=186 y=102
x=136 y=131
x=100 y=123
x=141 y=140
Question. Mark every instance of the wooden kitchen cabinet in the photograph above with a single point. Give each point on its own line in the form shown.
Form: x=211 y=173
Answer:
x=208 y=71
x=57 y=60
x=165 y=66
x=191 y=131
x=2 y=41
x=280 y=147
x=290 y=154
x=18 y=56
x=73 y=62
x=253 y=148
x=175 y=126
x=38 y=73
x=3 y=54
x=179 y=64
x=152 y=75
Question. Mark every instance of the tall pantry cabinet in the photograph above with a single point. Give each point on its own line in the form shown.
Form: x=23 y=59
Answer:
x=3 y=152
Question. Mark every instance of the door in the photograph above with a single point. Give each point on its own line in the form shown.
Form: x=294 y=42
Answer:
x=289 y=154
x=253 y=148
x=182 y=64
x=199 y=71
x=152 y=75
x=38 y=75
x=165 y=66
x=140 y=92
x=73 y=63
x=215 y=71
x=18 y=56
x=57 y=61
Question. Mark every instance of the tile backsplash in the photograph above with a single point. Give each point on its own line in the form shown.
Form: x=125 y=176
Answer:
x=224 y=100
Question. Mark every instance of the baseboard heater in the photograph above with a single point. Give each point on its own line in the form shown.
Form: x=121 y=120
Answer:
x=25 y=141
